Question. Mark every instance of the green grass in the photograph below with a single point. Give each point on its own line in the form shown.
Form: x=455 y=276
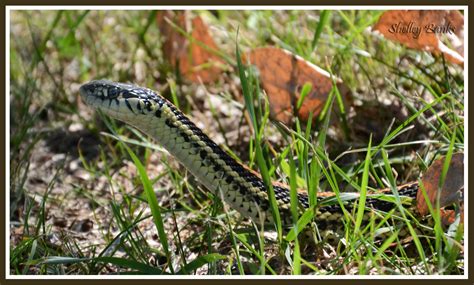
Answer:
x=150 y=216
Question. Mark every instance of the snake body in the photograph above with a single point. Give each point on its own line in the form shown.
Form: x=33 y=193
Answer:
x=241 y=188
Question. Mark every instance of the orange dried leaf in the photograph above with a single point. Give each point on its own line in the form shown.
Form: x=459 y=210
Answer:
x=452 y=190
x=449 y=216
x=429 y=30
x=195 y=62
x=283 y=74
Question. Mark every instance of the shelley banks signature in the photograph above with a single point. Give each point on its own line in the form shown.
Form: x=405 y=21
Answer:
x=415 y=29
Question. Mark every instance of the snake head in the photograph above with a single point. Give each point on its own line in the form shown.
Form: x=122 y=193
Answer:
x=120 y=100
x=103 y=89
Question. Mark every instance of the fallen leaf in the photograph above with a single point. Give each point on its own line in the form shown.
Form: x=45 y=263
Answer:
x=449 y=216
x=451 y=191
x=283 y=76
x=195 y=62
x=436 y=31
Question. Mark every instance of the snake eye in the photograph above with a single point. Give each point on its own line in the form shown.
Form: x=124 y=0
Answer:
x=112 y=92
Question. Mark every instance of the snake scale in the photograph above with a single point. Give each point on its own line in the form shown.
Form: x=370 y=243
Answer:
x=241 y=188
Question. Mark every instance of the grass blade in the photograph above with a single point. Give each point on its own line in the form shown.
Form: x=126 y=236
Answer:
x=153 y=203
x=363 y=190
x=323 y=20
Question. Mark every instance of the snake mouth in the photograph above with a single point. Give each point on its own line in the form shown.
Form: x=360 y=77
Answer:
x=86 y=94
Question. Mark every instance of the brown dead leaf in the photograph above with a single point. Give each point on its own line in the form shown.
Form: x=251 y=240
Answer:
x=428 y=30
x=449 y=216
x=452 y=190
x=283 y=74
x=195 y=62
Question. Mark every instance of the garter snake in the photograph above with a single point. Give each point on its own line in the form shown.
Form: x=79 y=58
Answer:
x=240 y=187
